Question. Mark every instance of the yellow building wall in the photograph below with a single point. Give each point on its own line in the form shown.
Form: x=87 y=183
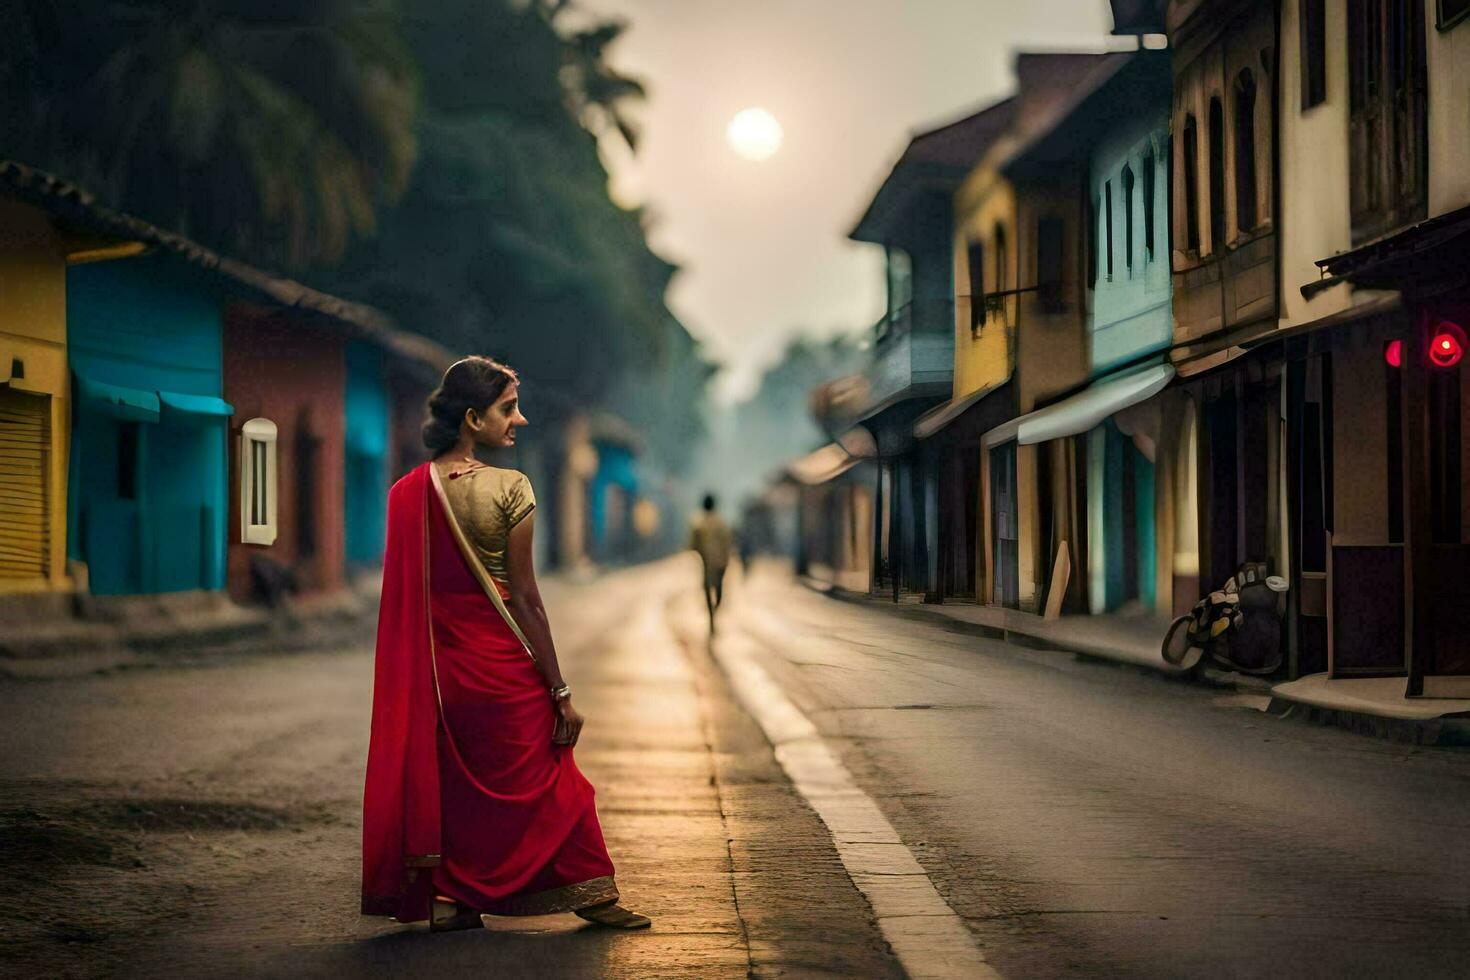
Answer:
x=983 y=358
x=1051 y=350
x=33 y=331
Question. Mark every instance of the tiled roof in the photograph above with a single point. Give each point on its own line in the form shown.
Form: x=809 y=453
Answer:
x=76 y=206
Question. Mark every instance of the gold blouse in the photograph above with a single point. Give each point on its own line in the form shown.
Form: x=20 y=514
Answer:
x=487 y=502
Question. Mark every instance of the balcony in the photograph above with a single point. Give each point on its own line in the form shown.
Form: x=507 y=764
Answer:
x=913 y=355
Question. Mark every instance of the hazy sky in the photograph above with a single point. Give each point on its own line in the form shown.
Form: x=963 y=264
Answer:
x=764 y=244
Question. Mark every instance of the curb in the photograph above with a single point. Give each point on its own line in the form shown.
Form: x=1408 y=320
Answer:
x=1429 y=732
x=82 y=648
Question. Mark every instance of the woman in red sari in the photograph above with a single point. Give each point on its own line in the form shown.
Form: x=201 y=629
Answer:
x=473 y=803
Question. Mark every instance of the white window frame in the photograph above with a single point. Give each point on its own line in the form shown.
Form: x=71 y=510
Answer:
x=259 y=478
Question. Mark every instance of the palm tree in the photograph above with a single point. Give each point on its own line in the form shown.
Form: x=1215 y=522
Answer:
x=277 y=128
x=598 y=93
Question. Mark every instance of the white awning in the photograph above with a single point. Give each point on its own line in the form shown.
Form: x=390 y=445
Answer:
x=835 y=458
x=1084 y=410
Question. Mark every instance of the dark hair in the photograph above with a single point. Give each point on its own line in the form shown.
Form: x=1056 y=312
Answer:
x=472 y=383
x=709 y=501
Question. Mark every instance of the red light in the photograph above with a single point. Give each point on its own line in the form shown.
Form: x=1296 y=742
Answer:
x=1448 y=345
x=1393 y=353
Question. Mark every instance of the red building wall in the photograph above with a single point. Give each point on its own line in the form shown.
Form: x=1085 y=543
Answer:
x=279 y=367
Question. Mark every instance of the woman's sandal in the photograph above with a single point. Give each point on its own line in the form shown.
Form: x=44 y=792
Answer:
x=445 y=915
x=614 y=916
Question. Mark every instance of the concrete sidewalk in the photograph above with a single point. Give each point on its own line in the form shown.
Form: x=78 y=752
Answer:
x=43 y=638
x=1134 y=640
x=1374 y=706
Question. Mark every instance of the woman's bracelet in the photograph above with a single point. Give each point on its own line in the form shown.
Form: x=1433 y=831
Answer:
x=561 y=693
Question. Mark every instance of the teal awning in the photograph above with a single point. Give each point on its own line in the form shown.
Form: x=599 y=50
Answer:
x=131 y=404
x=196 y=409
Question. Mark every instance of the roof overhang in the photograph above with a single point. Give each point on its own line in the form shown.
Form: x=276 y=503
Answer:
x=1427 y=257
x=834 y=459
x=1119 y=88
x=1133 y=17
x=119 y=235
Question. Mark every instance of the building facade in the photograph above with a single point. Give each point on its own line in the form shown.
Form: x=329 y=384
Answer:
x=147 y=501
x=35 y=401
x=1375 y=192
x=300 y=390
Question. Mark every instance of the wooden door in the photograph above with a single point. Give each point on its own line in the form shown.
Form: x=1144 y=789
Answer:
x=1003 y=520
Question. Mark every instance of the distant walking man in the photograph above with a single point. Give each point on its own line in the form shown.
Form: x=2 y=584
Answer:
x=710 y=537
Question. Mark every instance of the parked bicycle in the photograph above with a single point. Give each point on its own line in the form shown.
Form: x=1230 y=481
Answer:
x=1237 y=627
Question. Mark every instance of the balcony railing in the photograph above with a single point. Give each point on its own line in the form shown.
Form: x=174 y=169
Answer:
x=923 y=316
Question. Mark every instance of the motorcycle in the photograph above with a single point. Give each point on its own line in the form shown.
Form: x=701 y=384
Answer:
x=1237 y=627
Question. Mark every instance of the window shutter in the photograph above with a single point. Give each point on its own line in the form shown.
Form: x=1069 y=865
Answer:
x=259 y=479
x=25 y=455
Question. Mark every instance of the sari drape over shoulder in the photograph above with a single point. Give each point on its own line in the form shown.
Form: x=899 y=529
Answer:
x=466 y=796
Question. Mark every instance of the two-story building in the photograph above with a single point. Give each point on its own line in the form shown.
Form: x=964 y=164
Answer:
x=1375 y=244
x=1095 y=280
x=925 y=502
x=1020 y=322
x=1226 y=294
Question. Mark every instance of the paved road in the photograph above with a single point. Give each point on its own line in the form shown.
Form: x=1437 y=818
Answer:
x=202 y=819
x=1087 y=820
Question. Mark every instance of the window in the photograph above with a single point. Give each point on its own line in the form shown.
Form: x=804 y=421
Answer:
x=1217 y=175
x=1387 y=115
x=1128 y=218
x=258 y=479
x=1190 y=151
x=900 y=281
x=1049 y=244
x=1001 y=256
x=1108 y=225
x=1148 y=204
x=976 y=258
x=127 y=460
x=1091 y=237
x=1451 y=12
x=1312 y=25
x=1245 y=152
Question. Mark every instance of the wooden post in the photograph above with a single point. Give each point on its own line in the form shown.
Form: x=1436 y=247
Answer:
x=1418 y=519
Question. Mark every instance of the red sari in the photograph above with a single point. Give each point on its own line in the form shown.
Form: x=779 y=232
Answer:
x=465 y=797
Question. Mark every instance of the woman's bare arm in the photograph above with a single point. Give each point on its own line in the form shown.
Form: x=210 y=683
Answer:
x=525 y=600
x=529 y=612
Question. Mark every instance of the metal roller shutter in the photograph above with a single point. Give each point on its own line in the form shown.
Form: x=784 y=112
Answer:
x=25 y=448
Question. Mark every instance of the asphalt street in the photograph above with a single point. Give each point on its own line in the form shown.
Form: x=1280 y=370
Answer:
x=200 y=816
x=1090 y=820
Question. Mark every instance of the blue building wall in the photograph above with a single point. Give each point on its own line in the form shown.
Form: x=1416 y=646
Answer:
x=146 y=504
x=610 y=532
x=1132 y=314
x=367 y=424
x=1131 y=320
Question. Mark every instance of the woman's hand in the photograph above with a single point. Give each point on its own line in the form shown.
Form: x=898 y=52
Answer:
x=568 y=724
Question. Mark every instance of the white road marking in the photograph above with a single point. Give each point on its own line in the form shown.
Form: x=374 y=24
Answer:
x=928 y=938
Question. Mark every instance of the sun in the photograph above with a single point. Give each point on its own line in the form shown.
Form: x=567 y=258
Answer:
x=754 y=134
